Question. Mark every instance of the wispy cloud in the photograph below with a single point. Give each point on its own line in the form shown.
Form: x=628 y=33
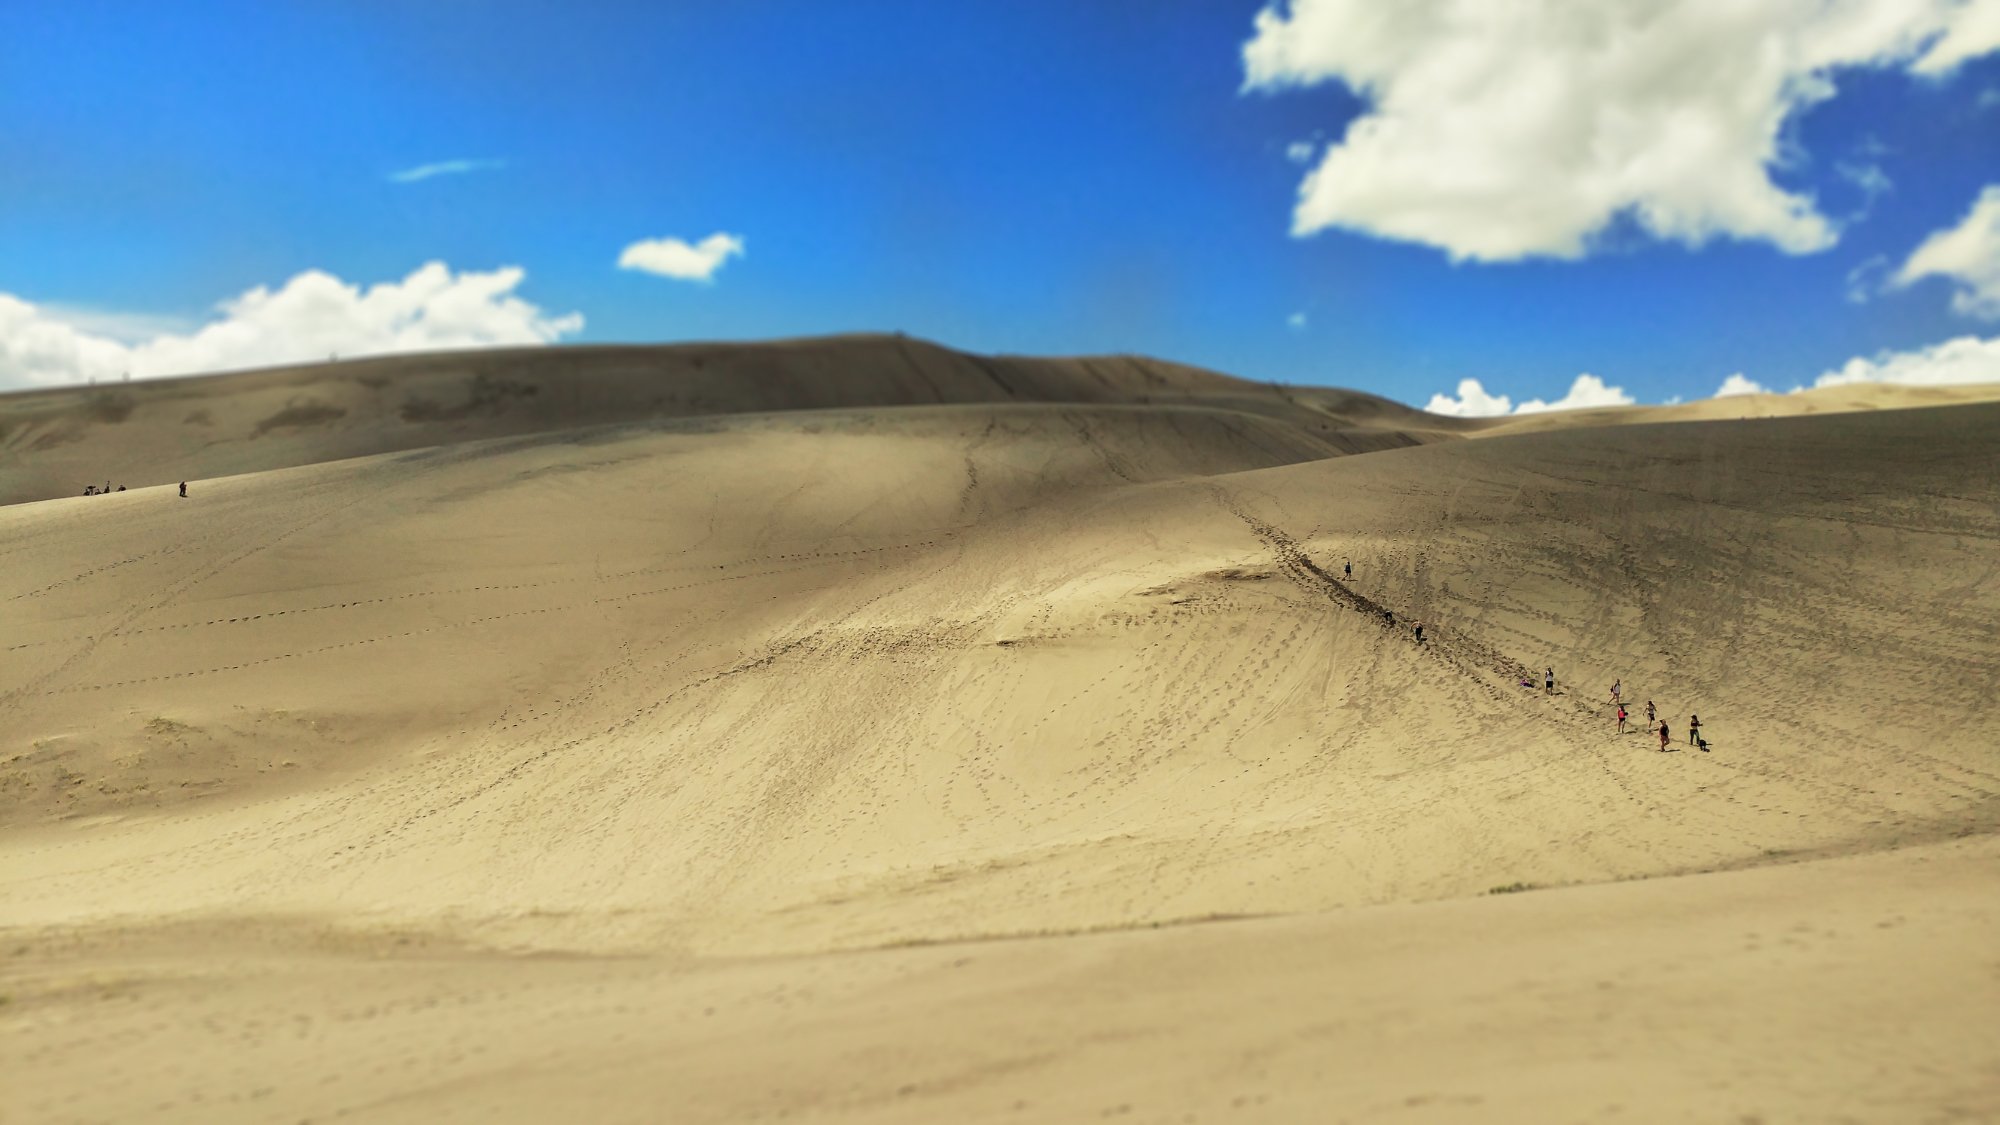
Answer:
x=444 y=168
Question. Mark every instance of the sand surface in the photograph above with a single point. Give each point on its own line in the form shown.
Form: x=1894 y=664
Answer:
x=836 y=752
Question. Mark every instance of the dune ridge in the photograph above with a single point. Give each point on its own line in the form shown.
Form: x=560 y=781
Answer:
x=156 y=431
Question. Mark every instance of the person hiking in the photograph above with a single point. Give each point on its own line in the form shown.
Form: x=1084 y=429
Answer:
x=184 y=490
x=1420 y=632
x=1347 y=569
x=1694 y=731
x=1549 y=682
x=1621 y=718
x=1666 y=735
x=1651 y=714
x=1616 y=687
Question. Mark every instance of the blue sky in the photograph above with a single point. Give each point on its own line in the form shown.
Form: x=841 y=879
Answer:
x=1023 y=176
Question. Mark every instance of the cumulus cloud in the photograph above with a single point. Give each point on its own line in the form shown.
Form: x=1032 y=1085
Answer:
x=1586 y=391
x=1741 y=384
x=1967 y=254
x=671 y=257
x=1474 y=401
x=1967 y=359
x=444 y=168
x=1499 y=131
x=313 y=315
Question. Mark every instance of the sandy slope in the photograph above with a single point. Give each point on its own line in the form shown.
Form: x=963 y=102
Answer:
x=472 y=777
x=1855 y=989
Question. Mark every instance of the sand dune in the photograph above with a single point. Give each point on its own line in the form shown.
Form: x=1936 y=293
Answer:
x=889 y=758
x=56 y=442
x=1821 y=400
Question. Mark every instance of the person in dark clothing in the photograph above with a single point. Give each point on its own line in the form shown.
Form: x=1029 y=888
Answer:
x=1347 y=569
x=1651 y=714
x=1549 y=681
x=1694 y=731
x=1666 y=735
x=184 y=489
x=1420 y=632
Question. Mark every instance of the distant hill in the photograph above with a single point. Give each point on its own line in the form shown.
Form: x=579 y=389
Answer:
x=56 y=442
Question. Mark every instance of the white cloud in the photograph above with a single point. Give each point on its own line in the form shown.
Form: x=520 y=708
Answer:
x=308 y=318
x=444 y=168
x=1975 y=32
x=1499 y=131
x=671 y=257
x=1586 y=391
x=1967 y=254
x=36 y=349
x=1300 y=152
x=1296 y=322
x=1741 y=384
x=1967 y=359
x=1473 y=401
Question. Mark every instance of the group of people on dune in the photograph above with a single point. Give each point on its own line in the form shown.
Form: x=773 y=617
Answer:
x=93 y=490
x=1655 y=724
x=1388 y=615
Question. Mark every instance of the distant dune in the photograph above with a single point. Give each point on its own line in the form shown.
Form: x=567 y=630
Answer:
x=859 y=730
x=161 y=431
x=1822 y=400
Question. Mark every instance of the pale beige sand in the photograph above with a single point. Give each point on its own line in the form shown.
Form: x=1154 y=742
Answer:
x=1855 y=989
x=468 y=779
